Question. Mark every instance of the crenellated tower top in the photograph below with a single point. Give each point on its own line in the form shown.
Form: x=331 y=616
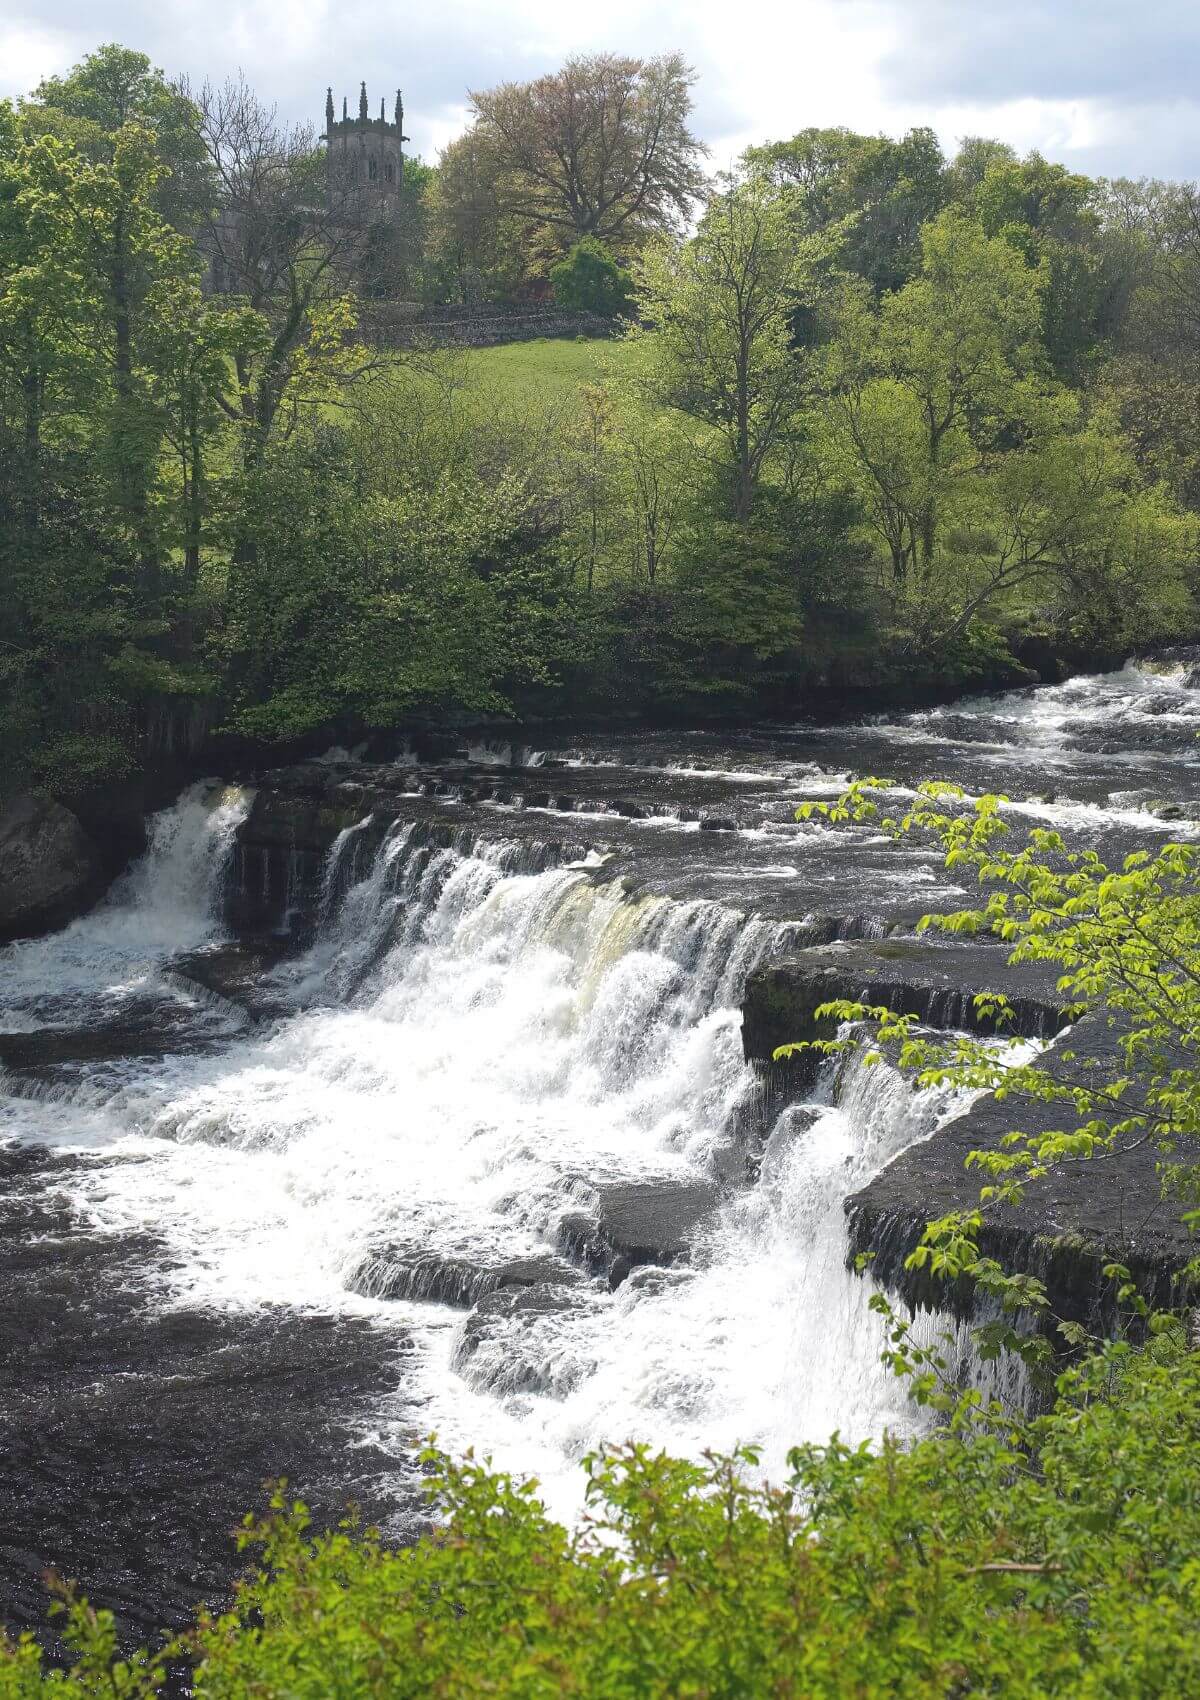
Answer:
x=365 y=157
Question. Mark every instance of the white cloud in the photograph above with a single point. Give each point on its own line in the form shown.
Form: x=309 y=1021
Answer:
x=1075 y=78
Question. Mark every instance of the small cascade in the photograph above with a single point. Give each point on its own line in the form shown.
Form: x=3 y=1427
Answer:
x=169 y=901
x=512 y=1088
x=763 y=1336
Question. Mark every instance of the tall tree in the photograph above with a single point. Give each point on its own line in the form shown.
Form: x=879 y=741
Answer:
x=115 y=86
x=875 y=191
x=932 y=378
x=601 y=148
x=479 y=253
x=718 y=338
x=279 y=244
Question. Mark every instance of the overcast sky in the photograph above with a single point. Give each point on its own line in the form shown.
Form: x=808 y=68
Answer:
x=1108 y=86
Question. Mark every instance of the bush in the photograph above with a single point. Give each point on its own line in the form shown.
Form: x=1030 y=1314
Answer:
x=589 y=280
x=998 y=1557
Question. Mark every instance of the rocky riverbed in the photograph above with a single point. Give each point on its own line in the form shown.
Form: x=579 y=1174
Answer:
x=435 y=1093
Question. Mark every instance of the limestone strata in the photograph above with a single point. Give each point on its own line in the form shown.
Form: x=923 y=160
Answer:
x=632 y=1223
x=1082 y=1216
x=936 y=982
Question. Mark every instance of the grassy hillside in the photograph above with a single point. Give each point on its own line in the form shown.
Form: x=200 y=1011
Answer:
x=554 y=364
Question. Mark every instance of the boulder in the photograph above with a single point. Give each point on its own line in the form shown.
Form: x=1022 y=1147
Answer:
x=635 y=1222
x=935 y=982
x=235 y=973
x=50 y=871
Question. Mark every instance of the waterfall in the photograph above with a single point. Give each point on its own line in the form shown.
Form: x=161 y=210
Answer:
x=492 y=1050
x=168 y=902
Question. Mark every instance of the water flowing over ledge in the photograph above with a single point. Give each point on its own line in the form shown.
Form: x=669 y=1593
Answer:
x=449 y=1063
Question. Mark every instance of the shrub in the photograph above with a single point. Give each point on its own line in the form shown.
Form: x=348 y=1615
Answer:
x=589 y=280
x=1000 y=1557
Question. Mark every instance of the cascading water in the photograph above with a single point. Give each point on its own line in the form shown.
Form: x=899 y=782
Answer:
x=479 y=1051
x=496 y=1119
x=167 y=903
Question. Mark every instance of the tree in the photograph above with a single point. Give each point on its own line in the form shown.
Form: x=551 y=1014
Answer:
x=970 y=165
x=190 y=344
x=1152 y=378
x=589 y=280
x=114 y=87
x=99 y=239
x=717 y=342
x=109 y=358
x=1053 y=216
x=480 y=251
x=875 y=193
x=600 y=148
x=926 y=385
x=589 y=479
x=277 y=244
x=655 y=467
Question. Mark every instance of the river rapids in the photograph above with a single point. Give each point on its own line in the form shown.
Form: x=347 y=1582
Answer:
x=482 y=1155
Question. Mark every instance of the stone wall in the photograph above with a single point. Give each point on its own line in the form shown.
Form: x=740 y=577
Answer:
x=403 y=324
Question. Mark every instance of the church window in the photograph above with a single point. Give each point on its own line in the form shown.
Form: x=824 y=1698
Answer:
x=372 y=169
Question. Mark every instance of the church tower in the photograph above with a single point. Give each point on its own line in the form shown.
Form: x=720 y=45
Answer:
x=364 y=160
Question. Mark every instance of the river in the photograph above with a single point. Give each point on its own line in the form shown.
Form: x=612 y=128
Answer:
x=481 y=1156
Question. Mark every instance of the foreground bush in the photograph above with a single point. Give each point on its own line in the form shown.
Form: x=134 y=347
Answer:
x=1058 y=1556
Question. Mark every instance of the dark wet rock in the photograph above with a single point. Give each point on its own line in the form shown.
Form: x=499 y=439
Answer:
x=398 y=1272
x=1067 y=1227
x=636 y=1222
x=283 y=843
x=937 y=983
x=50 y=871
x=147 y=1029
x=134 y=1435
x=934 y=982
x=233 y=972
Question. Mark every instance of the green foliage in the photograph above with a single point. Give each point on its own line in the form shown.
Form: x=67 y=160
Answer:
x=1002 y=1557
x=111 y=88
x=983 y=482
x=589 y=280
x=868 y=417
x=374 y=603
x=716 y=340
x=875 y=193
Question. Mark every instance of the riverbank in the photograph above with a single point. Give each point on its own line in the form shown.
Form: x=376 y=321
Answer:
x=63 y=852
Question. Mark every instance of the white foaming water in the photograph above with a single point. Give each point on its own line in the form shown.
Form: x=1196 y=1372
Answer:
x=483 y=1048
x=164 y=905
x=1043 y=718
x=768 y=1338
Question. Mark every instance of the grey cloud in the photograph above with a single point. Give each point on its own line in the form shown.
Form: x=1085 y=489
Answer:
x=1139 y=63
x=995 y=50
x=434 y=61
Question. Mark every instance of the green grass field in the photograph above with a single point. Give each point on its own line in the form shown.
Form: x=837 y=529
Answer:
x=515 y=380
x=550 y=364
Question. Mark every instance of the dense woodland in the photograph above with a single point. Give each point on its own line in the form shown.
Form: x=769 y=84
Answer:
x=868 y=413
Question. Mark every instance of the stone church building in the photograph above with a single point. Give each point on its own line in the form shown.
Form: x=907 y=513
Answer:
x=364 y=160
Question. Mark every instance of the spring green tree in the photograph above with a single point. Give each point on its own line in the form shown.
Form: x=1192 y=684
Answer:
x=589 y=280
x=716 y=340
